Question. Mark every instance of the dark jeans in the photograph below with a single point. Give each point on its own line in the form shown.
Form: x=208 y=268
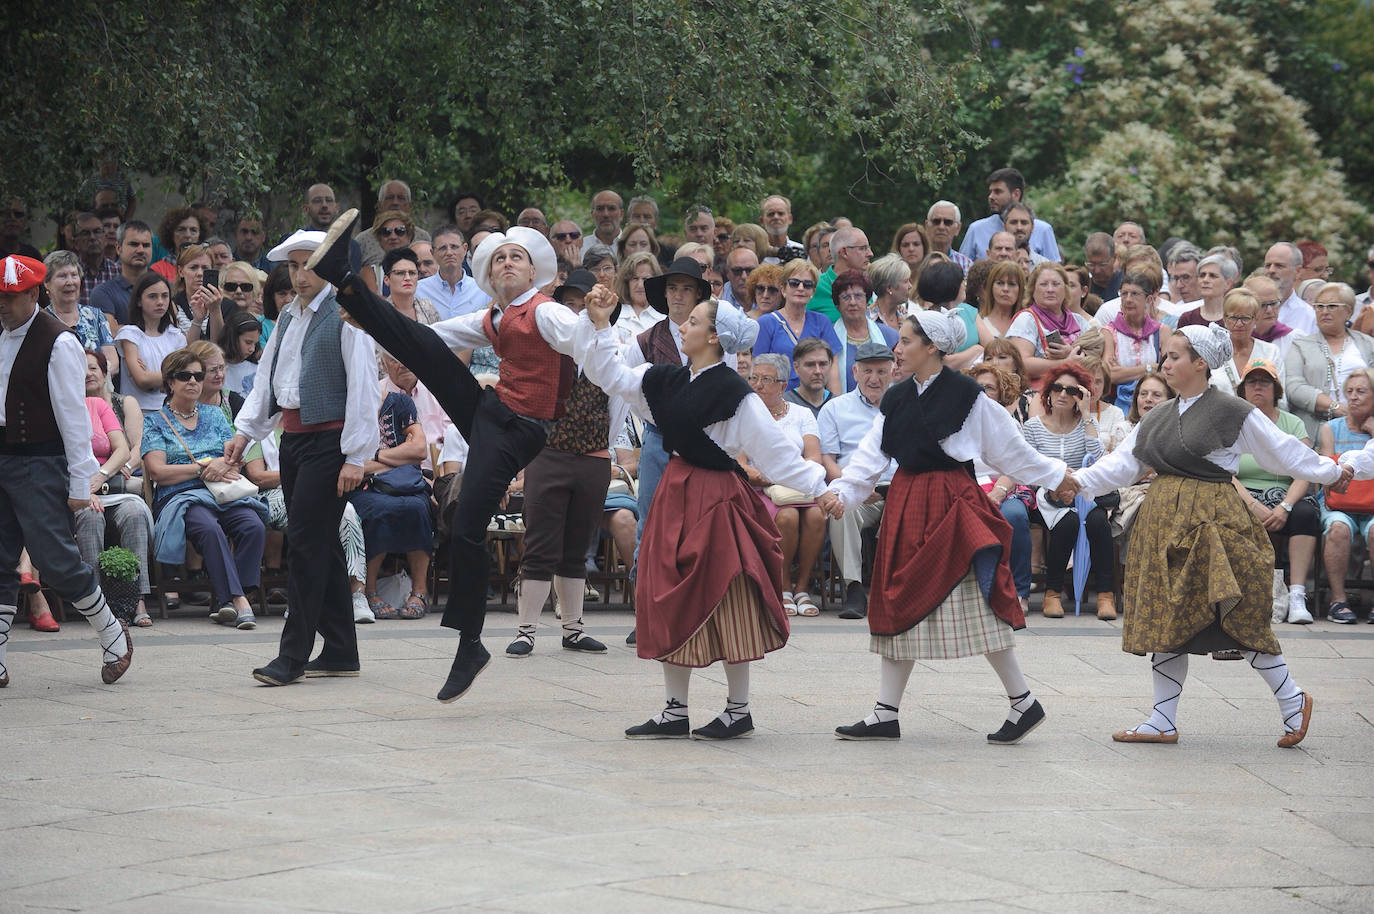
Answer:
x=34 y=513
x=318 y=588
x=500 y=444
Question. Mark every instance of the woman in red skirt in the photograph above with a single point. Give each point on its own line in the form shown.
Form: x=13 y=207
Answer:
x=710 y=568
x=942 y=586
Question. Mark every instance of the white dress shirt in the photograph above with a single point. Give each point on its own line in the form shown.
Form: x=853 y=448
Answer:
x=633 y=356
x=989 y=433
x=555 y=323
x=1298 y=314
x=634 y=324
x=67 y=390
x=1272 y=448
x=361 y=436
x=750 y=430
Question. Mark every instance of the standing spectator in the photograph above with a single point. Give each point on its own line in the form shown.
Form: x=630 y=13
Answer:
x=1045 y=331
x=248 y=241
x=221 y=254
x=1314 y=262
x=699 y=225
x=392 y=229
x=1002 y=249
x=46 y=462
x=63 y=285
x=183 y=448
x=942 y=227
x=608 y=211
x=1003 y=294
x=14 y=224
x=635 y=238
x=533 y=217
x=629 y=288
x=1183 y=290
x=242 y=286
x=453 y=291
x=851 y=292
x=393 y=197
x=1268 y=327
x=465 y=208
x=89 y=236
x=424 y=254
x=1317 y=365
x=643 y=209
x=148 y=338
x=566 y=238
x=1362 y=300
x=179 y=228
x=1019 y=219
x=911 y=244
x=811 y=360
x=196 y=304
x=1283 y=263
x=842 y=423
x=739 y=263
x=780 y=331
x=775 y=214
x=850 y=250
x=1006 y=186
x=135 y=243
x=402 y=274
x=1099 y=256
x=1064 y=432
x=320 y=209
x=109 y=232
x=817 y=241
x=600 y=260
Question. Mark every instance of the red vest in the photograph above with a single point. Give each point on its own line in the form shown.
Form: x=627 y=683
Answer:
x=535 y=380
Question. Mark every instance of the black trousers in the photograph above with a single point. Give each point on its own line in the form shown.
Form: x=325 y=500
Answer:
x=318 y=589
x=34 y=513
x=1059 y=550
x=500 y=444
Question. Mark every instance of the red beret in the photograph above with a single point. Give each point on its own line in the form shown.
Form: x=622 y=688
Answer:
x=21 y=273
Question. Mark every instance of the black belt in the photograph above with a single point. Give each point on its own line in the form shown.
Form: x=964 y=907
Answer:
x=31 y=448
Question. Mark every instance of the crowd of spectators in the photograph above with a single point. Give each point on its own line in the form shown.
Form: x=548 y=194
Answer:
x=174 y=318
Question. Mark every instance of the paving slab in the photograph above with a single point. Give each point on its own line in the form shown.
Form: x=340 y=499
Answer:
x=189 y=787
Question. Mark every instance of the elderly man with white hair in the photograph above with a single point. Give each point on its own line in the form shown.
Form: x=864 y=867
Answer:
x=1281 y=264
x=851 y=251
x=505 y=426
x=942 y=227
x=942 y=585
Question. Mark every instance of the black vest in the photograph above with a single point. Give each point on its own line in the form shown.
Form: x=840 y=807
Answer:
x=915 y=423
x=682 y=408
x=29 y=417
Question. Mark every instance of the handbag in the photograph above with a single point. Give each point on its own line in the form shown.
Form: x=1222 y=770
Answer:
x=786 y=496
x=402 y=480
x=225 y=491
x=1358 y=499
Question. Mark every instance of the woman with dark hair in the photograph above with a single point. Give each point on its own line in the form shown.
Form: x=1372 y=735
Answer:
x=179 y=227
x=912 y=244
x=1063 y=432
x=942 y=587
x=1199 y=570
x=277 y=292
x=850 y=293
x=401 y=269
x=183 y=449
x=710 y=570
x=1004 y=293
x=149 y=337
x=241 y=343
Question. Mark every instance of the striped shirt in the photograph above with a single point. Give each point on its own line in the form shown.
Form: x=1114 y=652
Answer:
x=1072 y=448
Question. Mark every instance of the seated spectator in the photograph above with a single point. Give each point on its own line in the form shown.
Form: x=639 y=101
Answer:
x=126 y=411
x=1106 y=417
x=63 y=285
x=277 y=293
x=221 y=254
x=196 y=306
x=1281 y=504
x=1335 y=437
x=800 y=521
x=1216 y=275
x=620 y=519
x=149 y=337
x=398 y=379
x=401 y=271
x=1149 y=393
x=1315 y=370
x=179 y=228
x=850 y=291
x=1134 y=340
x=629 y=287
x=240 y=345
x=812 y=361
x=753 y=237
x=939 y=288
x=599 y=259
x=817 y=241
x=122 y=504
x=1242 y=310
x=213 y=391
x=763 y=290
x=780 y=331
x=635 y=238
x=911 y=244
x=843 y=422
x=393 y=505
x=1268 y=327
x=892 y=286
x=183 y=448
x=1013 y=500
x=391 y=229
x=1045 y=331
x=242 y=285
x=1080 y=281
x=1003 y=293
x=1064 y=432
x=262 y=464
x=1003 y=353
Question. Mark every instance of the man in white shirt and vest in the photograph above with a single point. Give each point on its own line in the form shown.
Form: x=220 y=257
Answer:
x=46 y=464
x=320 y=376
x=505 y=426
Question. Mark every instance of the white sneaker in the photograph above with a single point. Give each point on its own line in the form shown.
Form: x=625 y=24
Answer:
x=361 y=612
x=1297 y=610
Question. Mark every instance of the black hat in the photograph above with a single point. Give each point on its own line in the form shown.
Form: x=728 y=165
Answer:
x=655 y=287
x=581 y=280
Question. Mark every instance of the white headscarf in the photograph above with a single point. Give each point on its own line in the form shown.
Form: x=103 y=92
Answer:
x=1211 y=343
x=735 y=329
x=946 y=331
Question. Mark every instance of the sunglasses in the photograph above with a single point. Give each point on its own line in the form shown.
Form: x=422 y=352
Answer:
x=397 y=231
x=1070 y=389
x=723 y=236
x=188 y=376
x=940 y=221
x=238 y=287
x=740 y=271
x=771 y=290
x=802 y=283
x=567 y=236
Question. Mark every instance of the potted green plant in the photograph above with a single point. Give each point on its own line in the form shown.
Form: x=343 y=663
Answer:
x=119 y=580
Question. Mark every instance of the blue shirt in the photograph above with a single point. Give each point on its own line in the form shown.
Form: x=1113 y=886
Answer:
x=851 y=351
x=776 y=336
x=975 y=246
x=452 y=301
x=91 y=328
x=206 y=440
x=112 y=297
x=843 y=421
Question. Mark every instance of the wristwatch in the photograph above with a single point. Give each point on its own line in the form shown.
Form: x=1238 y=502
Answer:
x=1286 y=506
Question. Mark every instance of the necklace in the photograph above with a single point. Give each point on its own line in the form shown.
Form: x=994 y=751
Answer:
x=185 y=417
x=778 y=414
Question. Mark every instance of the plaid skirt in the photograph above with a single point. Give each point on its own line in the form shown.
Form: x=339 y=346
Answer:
x=962 y=626
x=738 y=629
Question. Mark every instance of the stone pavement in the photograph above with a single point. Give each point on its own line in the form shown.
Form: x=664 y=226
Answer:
x=187 y=787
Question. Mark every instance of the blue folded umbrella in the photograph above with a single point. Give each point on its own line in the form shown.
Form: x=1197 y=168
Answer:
x=1082 y=555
